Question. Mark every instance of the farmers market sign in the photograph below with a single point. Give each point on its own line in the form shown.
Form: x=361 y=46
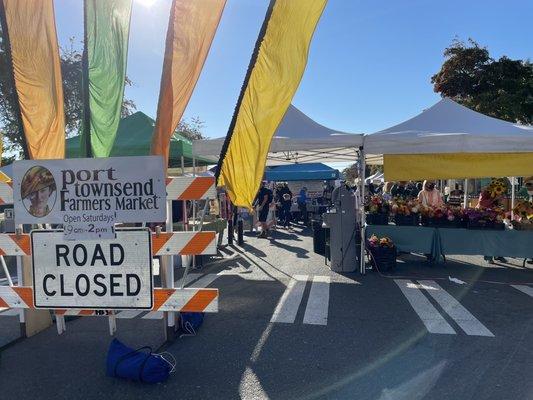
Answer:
x=89 y=195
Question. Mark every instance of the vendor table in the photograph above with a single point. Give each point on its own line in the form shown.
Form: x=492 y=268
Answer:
x=456 y=241
x=411 y=239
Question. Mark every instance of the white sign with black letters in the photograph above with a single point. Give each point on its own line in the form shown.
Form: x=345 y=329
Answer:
x=89 y=195
x=104 y=274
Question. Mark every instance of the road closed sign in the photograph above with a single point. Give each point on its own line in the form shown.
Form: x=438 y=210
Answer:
x=104 y=274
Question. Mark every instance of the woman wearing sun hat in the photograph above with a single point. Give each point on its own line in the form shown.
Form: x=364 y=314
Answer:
x=37 y=186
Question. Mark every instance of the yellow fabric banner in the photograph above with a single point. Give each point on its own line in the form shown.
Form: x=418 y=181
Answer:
x=275 y=71
x=191 y=28
x=37 y=73
x=404 y=167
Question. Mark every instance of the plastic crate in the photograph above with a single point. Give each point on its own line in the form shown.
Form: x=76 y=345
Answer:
x=384 y=258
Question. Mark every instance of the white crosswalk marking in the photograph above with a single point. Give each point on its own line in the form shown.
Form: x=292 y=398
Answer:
x=524 y=289
x=429 y=315
x=454 y=309
x=316 y=312
x=289 y=303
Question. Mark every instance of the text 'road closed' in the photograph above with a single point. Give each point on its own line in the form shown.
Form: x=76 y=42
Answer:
x=103 y=274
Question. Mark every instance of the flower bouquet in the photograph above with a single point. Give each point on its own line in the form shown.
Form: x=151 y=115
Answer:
x=523 y=215
x=497 y=187
x=433 y=216
x=382 y=252
x=484 y=218
x=445 y=216
x=405 y=211
x=377 y=211
x=454 y=216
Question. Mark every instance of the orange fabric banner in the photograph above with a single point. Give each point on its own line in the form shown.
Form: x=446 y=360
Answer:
x=37 y=72
x=191 y=28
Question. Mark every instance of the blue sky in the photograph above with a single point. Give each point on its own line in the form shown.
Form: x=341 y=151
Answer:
x=369 y=66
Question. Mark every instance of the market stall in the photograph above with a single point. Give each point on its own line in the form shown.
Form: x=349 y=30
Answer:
x=134 y=138
x=452 y=141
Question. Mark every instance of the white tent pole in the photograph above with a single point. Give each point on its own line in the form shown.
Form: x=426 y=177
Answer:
x=465 y=199
x=362 y=174
x=513 y=180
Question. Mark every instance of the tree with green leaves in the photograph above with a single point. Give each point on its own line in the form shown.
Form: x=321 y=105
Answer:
x=500 y=88
x=351 y=173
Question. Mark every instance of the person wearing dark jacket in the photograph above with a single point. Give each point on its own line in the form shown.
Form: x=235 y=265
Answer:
x=285 y=201
x=262 y=203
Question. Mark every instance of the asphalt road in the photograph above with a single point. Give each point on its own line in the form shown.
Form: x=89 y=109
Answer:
x=289 y=328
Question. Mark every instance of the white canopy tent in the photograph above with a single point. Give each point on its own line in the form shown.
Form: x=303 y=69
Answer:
x=448 y=127
x=450 y=139
x=298 y=139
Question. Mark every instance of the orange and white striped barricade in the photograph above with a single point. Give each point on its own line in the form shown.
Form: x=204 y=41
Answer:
x=165 y=300
x=173 y=300
x=6 y=192
x=163 y=244
x=191 y=188
x=182 y=188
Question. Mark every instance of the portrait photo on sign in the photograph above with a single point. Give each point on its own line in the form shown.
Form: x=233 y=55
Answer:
x=38 y=191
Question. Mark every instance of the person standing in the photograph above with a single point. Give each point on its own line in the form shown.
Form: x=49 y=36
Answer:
x=326 y=194
x=399 y=190
x=262 y=203
x=387 y=191
x=302 y=205
x=285 y=200
x=430 y=196
x=456 y=196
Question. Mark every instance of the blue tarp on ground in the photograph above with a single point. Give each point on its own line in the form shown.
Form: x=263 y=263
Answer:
x=301 y=172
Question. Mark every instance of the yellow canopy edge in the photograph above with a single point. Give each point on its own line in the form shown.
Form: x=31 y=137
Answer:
x=404 y=167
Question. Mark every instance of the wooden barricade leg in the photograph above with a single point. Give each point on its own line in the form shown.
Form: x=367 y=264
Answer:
x=35 y=321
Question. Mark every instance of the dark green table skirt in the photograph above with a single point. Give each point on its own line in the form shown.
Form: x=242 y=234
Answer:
x=446 y=241
x=411 y=239
x=508 y=243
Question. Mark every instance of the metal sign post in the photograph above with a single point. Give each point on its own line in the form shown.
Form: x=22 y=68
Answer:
x=362 y=173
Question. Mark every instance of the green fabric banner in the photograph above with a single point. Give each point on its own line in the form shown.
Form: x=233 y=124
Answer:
x=107 y=25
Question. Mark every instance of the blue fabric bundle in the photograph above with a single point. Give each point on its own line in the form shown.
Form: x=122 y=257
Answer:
x=190 y=322
x=138 y=365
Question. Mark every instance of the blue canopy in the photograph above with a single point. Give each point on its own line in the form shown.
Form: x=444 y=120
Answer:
x=301 y=172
